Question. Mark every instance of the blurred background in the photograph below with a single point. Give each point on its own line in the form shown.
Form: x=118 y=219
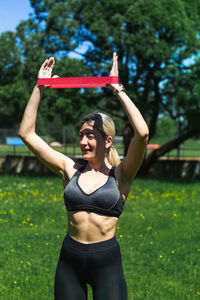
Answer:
x=157 y=42
x=158 y=47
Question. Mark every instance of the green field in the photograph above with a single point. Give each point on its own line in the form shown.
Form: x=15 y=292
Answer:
x=158 y=234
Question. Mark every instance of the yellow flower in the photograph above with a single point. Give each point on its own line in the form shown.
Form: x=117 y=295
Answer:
x=15 y=282
x=149 y=228
x=172 y=251
x=11 y=250
x=161 y=256
x=22 y=262
x=142 y=216
x=121 y=236
x=140 y=235
x=58 y=236
x=47 y=244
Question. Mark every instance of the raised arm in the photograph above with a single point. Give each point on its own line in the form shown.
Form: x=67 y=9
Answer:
x=132 y=162
x=55 y=161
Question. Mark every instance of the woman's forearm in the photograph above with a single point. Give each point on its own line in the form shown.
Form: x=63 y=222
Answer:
x=138 y=123
x=30 y=114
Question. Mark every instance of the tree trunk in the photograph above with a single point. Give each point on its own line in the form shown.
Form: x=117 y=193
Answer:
x=154 y=155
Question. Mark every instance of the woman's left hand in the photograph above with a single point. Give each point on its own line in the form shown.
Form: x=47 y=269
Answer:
x=114 y=70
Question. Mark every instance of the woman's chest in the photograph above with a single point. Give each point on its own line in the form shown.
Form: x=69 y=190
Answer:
x=104 y=196
x=89 y=183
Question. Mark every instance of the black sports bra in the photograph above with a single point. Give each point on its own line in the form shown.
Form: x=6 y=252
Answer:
x=106 y=200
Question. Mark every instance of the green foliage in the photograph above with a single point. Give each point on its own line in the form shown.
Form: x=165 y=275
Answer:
x=10 y=60
x=13 y=87
x=12 y=102
x=165 y=127
x=152 y=38
x=182 y=92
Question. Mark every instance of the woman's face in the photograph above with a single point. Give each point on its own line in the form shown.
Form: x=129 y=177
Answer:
x=91 y=142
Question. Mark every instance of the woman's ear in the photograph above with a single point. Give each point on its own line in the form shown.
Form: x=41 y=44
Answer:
x=109 y=141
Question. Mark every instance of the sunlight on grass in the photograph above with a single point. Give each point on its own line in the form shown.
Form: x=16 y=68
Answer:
x=158 y=234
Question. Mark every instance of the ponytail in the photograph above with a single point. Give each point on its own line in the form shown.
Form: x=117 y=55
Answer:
x=113 y=156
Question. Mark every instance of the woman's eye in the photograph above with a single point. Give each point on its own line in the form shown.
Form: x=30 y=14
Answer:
x=90 y=137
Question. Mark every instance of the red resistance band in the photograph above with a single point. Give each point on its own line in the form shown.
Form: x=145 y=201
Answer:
x=77 y=82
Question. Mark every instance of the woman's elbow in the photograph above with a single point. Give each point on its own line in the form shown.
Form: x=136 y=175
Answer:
x=20 y=133
x=23 y=134
x=144 y=134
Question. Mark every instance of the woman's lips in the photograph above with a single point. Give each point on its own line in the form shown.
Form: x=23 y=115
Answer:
x=85 y=151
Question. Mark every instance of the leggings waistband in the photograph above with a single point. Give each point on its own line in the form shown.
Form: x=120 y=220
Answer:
x=99 y=246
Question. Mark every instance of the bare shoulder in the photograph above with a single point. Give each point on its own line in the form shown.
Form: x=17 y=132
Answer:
x=70 y=168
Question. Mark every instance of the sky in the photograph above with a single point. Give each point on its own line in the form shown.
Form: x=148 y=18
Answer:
x=12 y=12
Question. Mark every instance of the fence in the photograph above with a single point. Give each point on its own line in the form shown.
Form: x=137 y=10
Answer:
x=73 y=149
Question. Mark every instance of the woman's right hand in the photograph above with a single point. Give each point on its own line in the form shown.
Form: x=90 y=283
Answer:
x=46 y=68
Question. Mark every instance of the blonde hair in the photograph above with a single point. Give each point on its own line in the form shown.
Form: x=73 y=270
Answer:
x=105 y=124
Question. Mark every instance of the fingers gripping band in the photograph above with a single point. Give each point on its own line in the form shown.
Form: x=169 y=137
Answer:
x=78 y=82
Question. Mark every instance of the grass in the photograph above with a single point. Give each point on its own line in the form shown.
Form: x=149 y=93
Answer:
x=158 y=233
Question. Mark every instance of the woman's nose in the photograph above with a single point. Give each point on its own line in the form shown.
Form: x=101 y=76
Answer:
x=83 y=140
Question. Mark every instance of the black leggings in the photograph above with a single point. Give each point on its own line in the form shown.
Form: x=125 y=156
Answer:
x=97 y=264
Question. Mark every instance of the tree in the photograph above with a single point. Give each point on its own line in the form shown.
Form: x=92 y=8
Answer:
x=183 y=106
x=59 y=106
x=152 y=38
x=13 y=88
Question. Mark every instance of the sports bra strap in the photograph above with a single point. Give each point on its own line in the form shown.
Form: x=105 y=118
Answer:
x=82 y=168
x=112 y=172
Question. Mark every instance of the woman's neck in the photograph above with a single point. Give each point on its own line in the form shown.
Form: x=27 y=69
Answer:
x=99 y=166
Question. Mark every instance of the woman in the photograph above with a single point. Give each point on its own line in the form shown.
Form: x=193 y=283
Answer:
x=94 y=195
